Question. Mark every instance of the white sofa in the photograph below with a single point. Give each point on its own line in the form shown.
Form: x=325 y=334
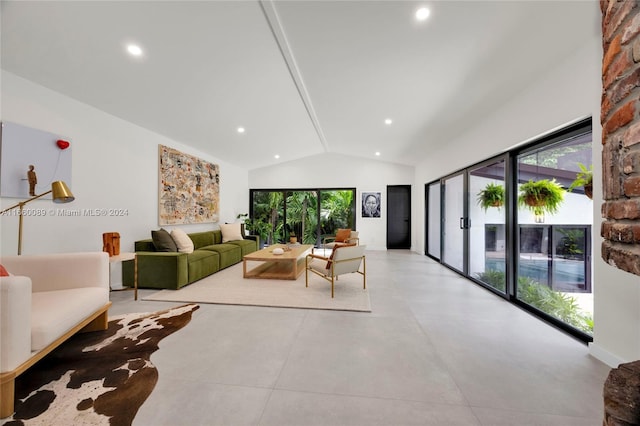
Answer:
x=46 y=300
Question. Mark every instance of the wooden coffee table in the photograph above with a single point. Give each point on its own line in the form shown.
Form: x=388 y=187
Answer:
x=286 y=266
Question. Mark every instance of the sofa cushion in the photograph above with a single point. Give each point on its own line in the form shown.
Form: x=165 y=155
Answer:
x=202 y=263
x=231 y=232
x=162 y=241
x=201 y=239
x=182 y=240
x=217 y=236
x=246 y=246
x=230 y=254
x=53 y=313
x=3 y=272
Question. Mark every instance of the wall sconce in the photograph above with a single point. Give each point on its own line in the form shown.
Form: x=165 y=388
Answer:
x=538 y=217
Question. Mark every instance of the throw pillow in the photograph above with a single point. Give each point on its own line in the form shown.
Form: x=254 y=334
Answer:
x=343 y=235
x=182 y=240
x=162 y=240
x=3 y=272
x=231 y=232
x=335 y=249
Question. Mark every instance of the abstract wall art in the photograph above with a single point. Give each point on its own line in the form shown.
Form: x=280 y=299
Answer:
x=189 y=188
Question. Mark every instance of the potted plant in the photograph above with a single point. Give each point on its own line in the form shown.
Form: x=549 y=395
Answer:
x=541 y=196
x=584 y=178
x=255 y=227
x=491 y=196
x=293 y=238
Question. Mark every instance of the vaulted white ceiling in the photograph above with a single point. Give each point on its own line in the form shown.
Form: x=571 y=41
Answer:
x=302 y=77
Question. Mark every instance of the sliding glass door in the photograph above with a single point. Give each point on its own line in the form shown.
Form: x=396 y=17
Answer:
x=434 y=221
x=487 y=233
x=302 y=216
x=554 y=262
x=307 y=215
x=454 y=223
x=482 y=223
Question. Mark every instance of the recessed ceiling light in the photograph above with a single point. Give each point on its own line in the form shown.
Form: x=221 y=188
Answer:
x=276 y=156
x=240 y=129
x=378 y=153
x=134 y=50
x=388 y=121
x=422 y=13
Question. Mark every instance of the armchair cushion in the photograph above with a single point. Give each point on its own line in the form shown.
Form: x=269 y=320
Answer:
x=342 y=235
x=55 y=312
x=335 y=250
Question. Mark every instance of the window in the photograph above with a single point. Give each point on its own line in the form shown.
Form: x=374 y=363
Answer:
x=309 y=214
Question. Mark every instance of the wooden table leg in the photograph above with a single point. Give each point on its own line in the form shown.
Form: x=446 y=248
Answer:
x=135 y=277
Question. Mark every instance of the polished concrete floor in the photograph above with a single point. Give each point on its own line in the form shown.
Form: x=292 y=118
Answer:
x=435 y=350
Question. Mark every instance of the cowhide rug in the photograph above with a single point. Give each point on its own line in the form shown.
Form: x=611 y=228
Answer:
x=98 y=378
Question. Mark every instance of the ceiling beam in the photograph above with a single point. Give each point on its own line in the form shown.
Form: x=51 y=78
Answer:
x=271 y=15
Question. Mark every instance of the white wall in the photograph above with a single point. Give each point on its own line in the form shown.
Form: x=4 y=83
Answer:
x=115 y=166
x=339 y=171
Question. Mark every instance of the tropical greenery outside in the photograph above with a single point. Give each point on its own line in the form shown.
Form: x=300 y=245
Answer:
x=557 y=304
x=306 y=214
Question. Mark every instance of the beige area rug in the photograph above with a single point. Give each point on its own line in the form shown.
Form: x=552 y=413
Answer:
x=229 y=288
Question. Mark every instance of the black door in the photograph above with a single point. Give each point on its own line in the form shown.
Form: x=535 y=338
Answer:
x=399 y=217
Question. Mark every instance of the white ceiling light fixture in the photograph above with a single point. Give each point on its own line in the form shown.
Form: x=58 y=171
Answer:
x=276 y=156
x=134 y=50
x=377 y=153
x=388 y=121
x=241 y=130
x=422 y=14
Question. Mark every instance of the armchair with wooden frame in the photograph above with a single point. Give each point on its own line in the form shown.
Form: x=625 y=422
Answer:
x=343 y=236
x=344 y=259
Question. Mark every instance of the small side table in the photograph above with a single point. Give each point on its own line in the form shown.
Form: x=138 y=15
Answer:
x=128 y=256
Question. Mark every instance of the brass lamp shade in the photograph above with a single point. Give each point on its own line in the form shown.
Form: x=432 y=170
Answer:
x=61 y=192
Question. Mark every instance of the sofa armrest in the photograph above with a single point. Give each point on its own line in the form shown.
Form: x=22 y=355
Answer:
x=157 y=270
x=60 y=271
x=15 y=321
x=255 y=238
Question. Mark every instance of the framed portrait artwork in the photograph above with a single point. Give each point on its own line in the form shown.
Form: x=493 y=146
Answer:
x=371 y=204
x=189 y=189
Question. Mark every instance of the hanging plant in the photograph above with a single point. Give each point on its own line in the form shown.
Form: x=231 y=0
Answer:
x=584 y=178
x=491 y=196
x=541 y=196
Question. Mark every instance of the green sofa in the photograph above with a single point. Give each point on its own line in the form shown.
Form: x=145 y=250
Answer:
x=172 y=270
